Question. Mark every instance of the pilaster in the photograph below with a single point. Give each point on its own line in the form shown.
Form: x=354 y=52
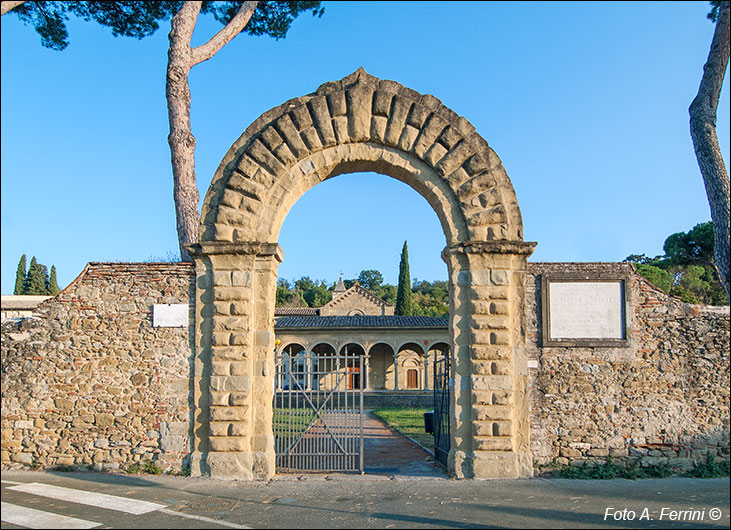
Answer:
x=490 y=435
x=234 y=366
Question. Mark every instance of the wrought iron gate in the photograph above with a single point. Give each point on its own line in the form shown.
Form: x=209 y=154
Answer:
x=441 y=409
x=318 y=412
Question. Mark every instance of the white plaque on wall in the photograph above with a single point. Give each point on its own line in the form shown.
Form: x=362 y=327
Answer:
x=584 y=313
x=170 y=315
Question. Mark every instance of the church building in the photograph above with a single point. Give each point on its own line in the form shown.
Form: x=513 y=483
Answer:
x=397 y=351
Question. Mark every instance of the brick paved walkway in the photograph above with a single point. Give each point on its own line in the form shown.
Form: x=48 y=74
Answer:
x=388 y=452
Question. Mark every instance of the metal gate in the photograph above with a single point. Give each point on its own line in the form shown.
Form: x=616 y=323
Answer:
x=441 y=409
x=318 y=412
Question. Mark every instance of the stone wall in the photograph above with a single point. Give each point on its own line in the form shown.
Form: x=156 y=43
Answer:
x=664 y=399
x=90 y=382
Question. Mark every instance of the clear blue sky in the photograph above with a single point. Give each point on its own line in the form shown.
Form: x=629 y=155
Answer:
x=585 y=103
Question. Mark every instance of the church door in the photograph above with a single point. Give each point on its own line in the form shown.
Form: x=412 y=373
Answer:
x=412 y=379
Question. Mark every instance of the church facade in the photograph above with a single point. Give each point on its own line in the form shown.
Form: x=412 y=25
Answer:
x=397 y=352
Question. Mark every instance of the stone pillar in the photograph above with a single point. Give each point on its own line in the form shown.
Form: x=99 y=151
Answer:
x=426 y=370
x=395 y=370
x=234 y=367
x=367 y=369
x=308 y=370
x=491 y=428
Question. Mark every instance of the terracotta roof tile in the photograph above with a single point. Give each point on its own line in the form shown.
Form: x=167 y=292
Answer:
x=388 y=321
x=296 y=311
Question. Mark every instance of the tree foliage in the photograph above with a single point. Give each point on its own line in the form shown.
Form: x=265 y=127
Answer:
x=53 y=289
x=429 y=298
x=694 y=246
x=404 y=302
x=140 y=19
x=713 y=13
x=36 y=281
x=687 y=269
x=304 y=292
x=370 y=279
x=20 y=276
x=128 y=19
x=270 y=18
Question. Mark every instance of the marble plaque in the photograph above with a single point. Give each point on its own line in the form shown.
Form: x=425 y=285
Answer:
x=585 y=310
x=170 y=315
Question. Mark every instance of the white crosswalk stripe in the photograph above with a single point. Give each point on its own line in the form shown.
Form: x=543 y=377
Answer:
x=30 y=518
x=99 y=500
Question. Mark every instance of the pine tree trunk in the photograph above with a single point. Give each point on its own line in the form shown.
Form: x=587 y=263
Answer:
x=703 y=113
x=181 y=139
x=181 y=58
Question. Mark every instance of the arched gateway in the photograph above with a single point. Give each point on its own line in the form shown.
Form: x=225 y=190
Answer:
x=360 y=123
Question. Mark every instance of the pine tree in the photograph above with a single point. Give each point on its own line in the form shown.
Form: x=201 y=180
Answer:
x=404 y=303
x=53 y=289
x=35 y=280
x=20 y=276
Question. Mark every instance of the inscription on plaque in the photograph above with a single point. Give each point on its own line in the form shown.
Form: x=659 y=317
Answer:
x=170 y=315
x=584 y=312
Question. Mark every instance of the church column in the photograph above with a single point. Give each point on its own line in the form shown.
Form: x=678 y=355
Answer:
x=308 y=369
x=367 y=369
x=426 y=370
x=395 y=370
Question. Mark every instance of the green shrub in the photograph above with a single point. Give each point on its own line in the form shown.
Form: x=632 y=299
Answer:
x=658 y=277
x=609 y=470
x=710 y=469
x=601 y=471
x=151 y=468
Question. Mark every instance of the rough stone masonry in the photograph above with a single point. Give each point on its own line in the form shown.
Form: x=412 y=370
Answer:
x=90 y=382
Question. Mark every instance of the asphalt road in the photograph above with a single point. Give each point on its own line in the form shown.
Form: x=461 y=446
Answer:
x=352 y=501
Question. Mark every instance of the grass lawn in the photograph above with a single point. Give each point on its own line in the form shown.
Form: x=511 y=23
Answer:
x=409 y=422
x=292 y=422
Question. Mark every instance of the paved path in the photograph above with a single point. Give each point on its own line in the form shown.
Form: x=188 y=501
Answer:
x=388 y=452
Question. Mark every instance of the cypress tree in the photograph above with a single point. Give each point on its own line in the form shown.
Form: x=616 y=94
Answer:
x=35 y=280
x=53 y=289
x=20 y=276
x=404 y=303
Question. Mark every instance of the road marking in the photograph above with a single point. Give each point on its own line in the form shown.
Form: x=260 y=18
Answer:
x=201 y=518
x=100 y=500
x=10 y=482
x=30 y=518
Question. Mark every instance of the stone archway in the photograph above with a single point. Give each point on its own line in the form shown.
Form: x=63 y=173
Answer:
x=360 y=123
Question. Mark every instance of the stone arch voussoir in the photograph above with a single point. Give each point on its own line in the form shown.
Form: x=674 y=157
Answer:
x=361 y=123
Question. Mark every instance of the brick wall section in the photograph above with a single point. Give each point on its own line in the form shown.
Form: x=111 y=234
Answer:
x=90 y=382
x=663 y=399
